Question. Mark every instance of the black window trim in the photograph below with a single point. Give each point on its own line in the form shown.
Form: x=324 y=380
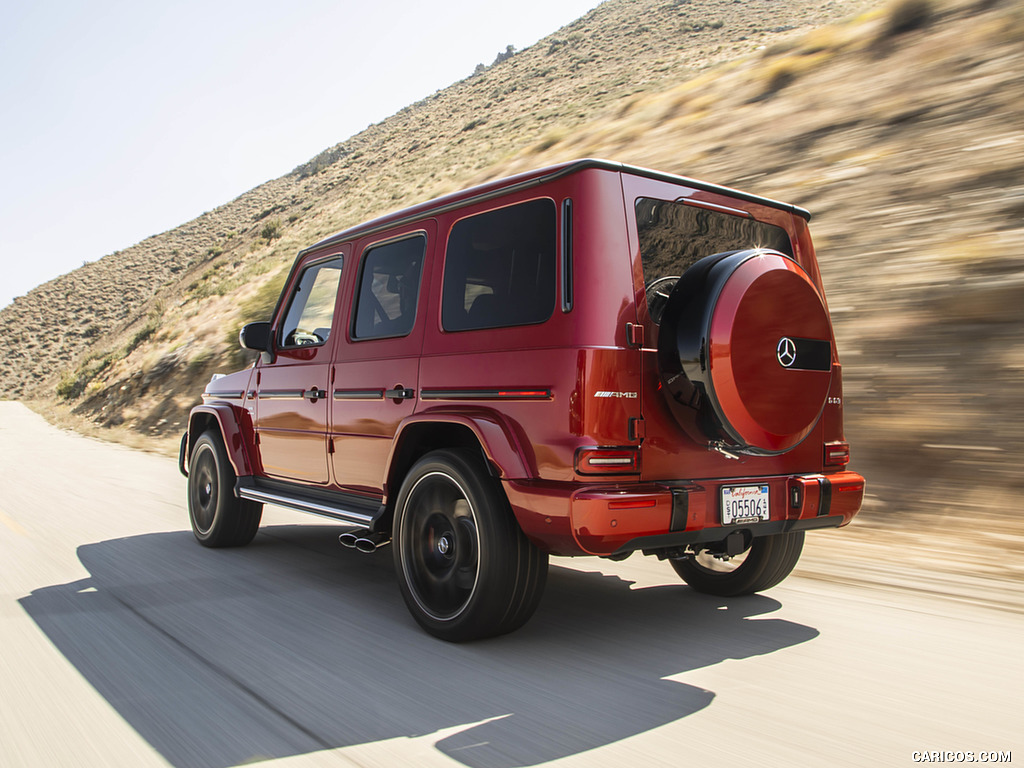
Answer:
x=444 y=266
x=317 y=262
x=357 y=290
x=566 y=260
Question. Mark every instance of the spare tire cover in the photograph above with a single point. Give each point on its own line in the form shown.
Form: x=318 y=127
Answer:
x=745 y=347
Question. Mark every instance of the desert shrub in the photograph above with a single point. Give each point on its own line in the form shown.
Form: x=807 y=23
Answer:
x=271 y=230
x=555 y=44
x=70 y=386
x=783 y=71
x=907 y=15
x=198 y=363
x=548 y=140
x=73 y=383
x=143 y=334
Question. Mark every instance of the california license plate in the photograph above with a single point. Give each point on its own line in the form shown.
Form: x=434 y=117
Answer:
x=745 y=504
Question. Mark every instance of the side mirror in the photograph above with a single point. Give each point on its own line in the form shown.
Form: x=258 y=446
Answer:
x=258 y=336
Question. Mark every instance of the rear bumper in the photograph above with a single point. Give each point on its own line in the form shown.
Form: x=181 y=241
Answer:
x=615 y=520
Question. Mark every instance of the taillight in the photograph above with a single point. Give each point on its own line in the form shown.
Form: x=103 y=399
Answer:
x=837 y=454
x=607 y=461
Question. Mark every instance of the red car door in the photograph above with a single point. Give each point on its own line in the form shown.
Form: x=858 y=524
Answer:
x=376 y=378
x=292 y=391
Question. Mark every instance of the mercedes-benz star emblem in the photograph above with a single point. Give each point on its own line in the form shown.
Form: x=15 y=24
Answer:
x=786 y=352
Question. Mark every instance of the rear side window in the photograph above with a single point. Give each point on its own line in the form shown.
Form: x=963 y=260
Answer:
x=388 y=288
x=311 y=309
x=499 y=268
x=674 y=236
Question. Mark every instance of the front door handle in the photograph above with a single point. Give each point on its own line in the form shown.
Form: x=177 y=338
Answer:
x=400 y=393
x=315 y=394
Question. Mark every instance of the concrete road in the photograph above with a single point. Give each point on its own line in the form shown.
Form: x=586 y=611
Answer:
x=123 y=642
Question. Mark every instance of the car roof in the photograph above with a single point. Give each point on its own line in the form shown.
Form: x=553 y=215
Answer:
x=499 y=187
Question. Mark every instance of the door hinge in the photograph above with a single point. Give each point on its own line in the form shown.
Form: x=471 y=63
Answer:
x=634 y=335
x=637 y=429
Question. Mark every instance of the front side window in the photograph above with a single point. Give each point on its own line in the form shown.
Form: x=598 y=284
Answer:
x=499 y=268
x=388 y=289
x=311 y=308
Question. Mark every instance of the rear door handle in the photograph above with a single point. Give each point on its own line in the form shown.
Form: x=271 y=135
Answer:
x=400 y=393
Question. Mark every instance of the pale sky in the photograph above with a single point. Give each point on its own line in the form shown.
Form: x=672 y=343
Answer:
x=122 y=119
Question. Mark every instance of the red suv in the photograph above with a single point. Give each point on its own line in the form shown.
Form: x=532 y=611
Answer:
x=588 y=359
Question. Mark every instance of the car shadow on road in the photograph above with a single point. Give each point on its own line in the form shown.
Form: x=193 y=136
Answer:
x=295 y=645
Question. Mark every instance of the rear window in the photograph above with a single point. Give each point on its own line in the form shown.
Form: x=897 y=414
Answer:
x=499 y=268
x=674 y=236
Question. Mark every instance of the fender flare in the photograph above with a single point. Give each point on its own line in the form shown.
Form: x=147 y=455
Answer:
x=227 y=418
x=496 y=435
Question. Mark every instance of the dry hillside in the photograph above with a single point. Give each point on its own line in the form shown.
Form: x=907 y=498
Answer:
x=900 y=126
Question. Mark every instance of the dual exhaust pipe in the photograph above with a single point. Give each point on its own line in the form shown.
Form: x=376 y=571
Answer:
x=363 y=540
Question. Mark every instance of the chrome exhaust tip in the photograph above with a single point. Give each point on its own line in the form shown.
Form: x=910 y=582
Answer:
x=371 y=542
x=349 y=539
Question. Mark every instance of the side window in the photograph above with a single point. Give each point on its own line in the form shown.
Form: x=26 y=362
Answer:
x=499 y=269
x=388 y=289
x=311 y=308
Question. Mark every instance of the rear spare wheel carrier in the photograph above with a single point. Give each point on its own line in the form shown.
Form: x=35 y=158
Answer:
x=745 y=352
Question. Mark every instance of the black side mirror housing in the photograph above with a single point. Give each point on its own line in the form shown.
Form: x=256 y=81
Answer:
x=258 y=336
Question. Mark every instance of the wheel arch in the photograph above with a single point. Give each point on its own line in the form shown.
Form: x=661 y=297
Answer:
x=486 y=433
x=225 y=420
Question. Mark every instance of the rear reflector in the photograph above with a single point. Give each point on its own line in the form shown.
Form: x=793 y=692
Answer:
x=633 y=504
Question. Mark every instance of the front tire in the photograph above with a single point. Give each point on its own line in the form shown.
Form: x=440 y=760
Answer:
x=218 y=517
x=767 y=561
x=465 y=569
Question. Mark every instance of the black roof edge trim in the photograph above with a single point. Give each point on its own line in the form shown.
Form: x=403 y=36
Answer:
x=444 y=205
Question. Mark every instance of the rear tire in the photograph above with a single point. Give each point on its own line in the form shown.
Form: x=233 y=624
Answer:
x=218 y=517
x=767 y=561
x=465 y=569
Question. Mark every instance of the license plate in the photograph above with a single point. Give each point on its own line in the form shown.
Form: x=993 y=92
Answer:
x=745 y=504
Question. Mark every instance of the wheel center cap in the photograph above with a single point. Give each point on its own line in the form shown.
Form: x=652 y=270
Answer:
x=444 y=545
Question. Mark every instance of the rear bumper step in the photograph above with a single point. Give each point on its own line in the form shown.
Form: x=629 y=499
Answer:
x=651 y=545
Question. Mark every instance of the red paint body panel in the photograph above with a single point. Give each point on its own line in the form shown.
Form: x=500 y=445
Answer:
x=227 y=409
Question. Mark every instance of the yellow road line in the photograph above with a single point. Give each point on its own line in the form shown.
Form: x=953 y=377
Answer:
x=12 y=524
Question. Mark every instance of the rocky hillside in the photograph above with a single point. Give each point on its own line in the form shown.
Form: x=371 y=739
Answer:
x=899 y=125
x=107 y=321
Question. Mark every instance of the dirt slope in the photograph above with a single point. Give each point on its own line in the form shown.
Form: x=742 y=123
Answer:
x=901 y=129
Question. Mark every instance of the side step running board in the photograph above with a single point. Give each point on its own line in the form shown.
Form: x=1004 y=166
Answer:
x=320 y=508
